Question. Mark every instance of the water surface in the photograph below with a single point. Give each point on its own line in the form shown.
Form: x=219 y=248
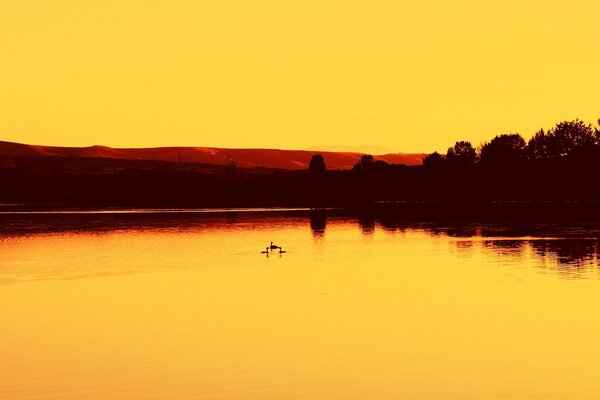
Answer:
x=184 y=306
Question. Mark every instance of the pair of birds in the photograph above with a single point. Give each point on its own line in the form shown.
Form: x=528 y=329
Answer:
x=273 y=247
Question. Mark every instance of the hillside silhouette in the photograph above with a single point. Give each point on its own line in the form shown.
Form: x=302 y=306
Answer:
x=247 y=158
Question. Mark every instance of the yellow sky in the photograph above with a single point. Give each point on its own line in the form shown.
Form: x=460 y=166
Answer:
x=410 y=76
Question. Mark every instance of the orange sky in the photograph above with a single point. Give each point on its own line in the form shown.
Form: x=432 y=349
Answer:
x=409 y=76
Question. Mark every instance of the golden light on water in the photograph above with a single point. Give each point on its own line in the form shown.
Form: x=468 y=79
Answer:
x=195 y=311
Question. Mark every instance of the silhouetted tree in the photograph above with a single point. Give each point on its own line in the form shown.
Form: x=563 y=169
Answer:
x=317 y=166
x=433 y=160
x=570 y=136
x=462 y=153
x=566 y=138
x=506 y=148
x=538 y=146
x=366 y=161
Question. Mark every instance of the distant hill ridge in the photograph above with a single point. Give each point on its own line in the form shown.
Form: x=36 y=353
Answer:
x=271 y=158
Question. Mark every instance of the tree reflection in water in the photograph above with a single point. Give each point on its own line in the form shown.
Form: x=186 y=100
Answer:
x=318 y=223
x=570 y=257
x=571 y=250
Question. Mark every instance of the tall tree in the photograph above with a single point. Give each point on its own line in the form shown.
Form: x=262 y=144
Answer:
x=366 y=161
x=433 y=160
x=503 y=149
x=538 y=146
x=568 y=137
x=462 y=153
x=316 y=165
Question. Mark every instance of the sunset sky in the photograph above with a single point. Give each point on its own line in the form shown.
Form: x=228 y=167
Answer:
x=409 y=76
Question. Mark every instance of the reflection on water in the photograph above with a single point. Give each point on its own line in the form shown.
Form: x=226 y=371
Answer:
x=568 y=250
x=564 y=245
x=318 y=223
x=571 y=257
x=184 y=306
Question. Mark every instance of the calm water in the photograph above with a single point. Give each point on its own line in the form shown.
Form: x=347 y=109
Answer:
x=184 y=306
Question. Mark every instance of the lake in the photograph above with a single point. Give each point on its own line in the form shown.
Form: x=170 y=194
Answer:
x=182 y=305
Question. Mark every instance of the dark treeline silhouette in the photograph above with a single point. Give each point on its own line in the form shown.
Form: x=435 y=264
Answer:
x=559 y=165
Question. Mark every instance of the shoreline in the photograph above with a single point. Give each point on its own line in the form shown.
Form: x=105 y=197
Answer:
x=468 y=211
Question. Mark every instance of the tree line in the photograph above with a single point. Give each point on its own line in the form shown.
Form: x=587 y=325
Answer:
x=561 y=163
x=566 y=139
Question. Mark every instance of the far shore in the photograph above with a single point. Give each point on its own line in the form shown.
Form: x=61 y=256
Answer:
x=434 y=211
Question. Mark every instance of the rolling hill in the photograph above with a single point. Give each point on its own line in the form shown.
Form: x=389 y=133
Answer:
x=271 y=158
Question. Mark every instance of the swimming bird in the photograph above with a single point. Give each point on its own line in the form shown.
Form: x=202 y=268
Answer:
x=282 y=250
x=266 y=251
x=273 y=247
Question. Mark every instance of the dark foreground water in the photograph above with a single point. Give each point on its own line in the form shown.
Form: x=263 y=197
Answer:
x=184 y=306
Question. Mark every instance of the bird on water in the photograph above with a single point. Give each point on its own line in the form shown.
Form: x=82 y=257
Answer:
x=273 y=247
